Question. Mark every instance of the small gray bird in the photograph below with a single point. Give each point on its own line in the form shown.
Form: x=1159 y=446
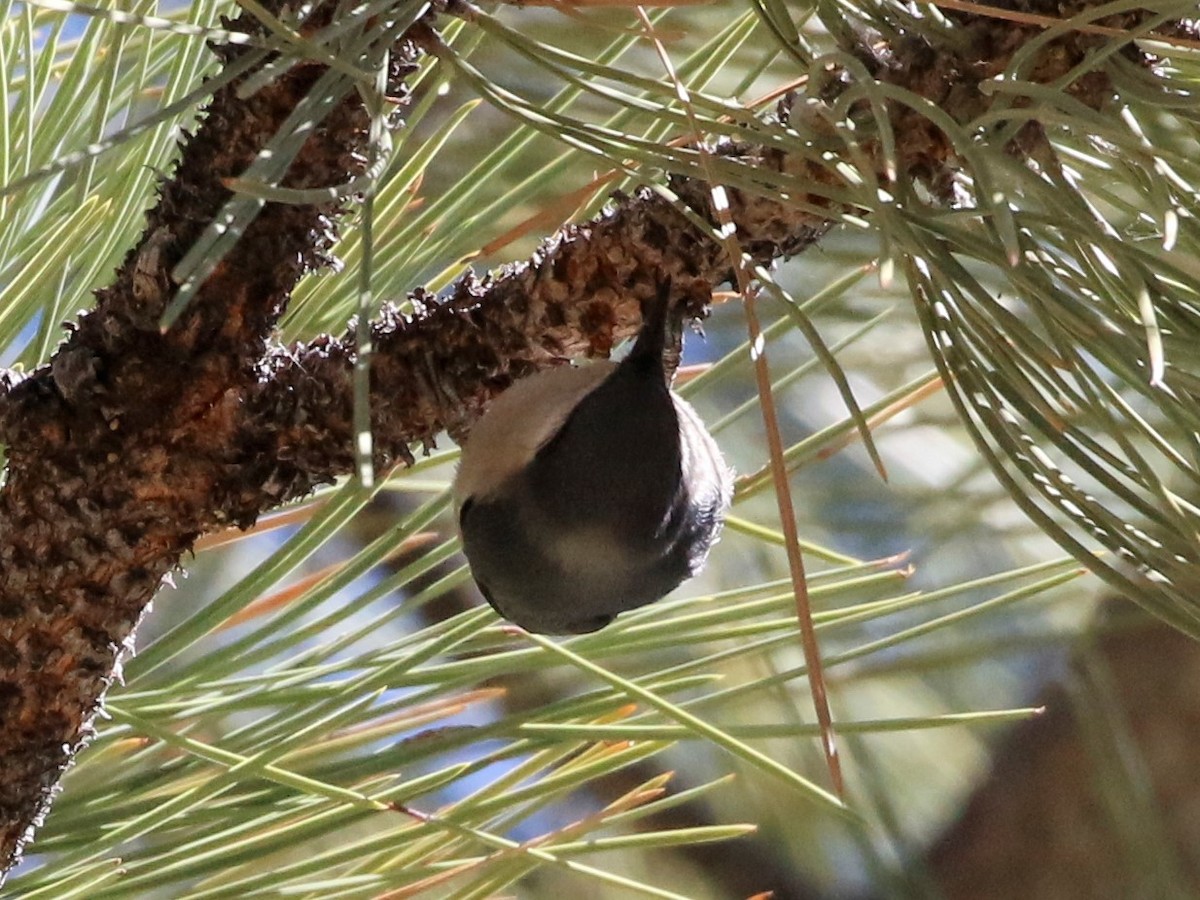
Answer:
x=587 y=491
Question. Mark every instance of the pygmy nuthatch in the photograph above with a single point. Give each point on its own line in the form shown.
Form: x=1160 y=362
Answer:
x=587 y=491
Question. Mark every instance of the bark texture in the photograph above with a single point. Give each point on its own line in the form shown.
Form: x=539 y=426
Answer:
x=126 y=447
x=132 y=442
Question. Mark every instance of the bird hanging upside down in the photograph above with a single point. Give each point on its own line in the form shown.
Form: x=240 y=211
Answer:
x=587 y=491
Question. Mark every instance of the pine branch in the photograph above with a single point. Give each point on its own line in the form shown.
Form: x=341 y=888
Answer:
x=134 y=441
x=119 y=451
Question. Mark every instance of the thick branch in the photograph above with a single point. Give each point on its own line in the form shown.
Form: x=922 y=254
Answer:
x=118 y=449
x=436 y=370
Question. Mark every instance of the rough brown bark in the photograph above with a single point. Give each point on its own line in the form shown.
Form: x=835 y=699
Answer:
x=125 y=448
x=133 y=442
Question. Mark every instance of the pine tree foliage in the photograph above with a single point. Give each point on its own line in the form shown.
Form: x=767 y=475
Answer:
x=323 y=709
